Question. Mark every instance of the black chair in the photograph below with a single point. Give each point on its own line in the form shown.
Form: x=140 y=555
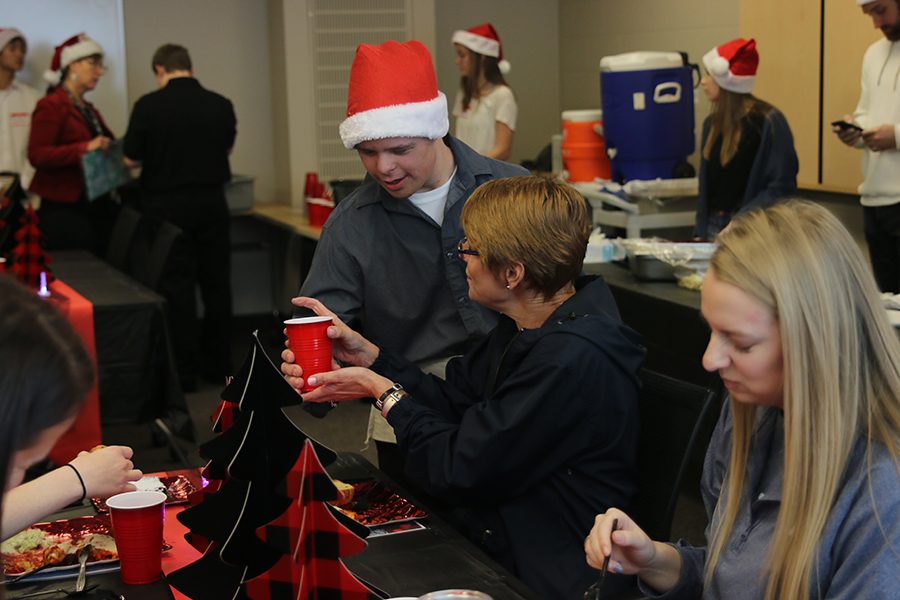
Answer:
x=122 y=238
x=151 y=253
x=677 y=418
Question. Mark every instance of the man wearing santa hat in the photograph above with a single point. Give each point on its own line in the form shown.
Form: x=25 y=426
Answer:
x=387 y=260
x=17 y=102
x=878 y=116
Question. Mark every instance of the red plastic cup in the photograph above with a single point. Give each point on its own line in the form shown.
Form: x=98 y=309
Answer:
x=310 y=344
x=312 y=184
x=137 y=521
x=319 y=210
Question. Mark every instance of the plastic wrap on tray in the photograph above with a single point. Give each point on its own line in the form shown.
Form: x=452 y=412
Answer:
x=373 y=503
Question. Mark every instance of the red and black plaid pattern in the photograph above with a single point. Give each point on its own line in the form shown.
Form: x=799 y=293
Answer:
x=314 y=539
x=28 y=257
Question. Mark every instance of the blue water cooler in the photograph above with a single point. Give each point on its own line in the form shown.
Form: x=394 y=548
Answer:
x=648 y=113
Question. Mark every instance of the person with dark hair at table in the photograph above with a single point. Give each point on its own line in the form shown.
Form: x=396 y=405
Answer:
x=537 y=425
x=182 y=135
x=46 y=373
x=65 y=127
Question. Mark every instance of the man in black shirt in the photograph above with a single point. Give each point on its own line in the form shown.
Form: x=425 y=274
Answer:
x=182 y=135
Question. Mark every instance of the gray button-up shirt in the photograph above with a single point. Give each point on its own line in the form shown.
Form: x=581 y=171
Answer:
x=859 y=551
x=390 y=271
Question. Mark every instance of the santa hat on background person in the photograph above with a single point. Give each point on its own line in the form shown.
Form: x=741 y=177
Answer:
x=75 y=48
x=483 y=39
x=393 y=93
x=8 y=34
x=733 y=65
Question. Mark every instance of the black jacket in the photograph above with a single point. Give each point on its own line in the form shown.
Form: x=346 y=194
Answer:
x=182 y=133
x=532 y=434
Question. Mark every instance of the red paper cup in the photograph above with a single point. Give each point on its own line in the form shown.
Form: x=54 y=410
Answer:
x=318 y=210
x=310 y=344
x=137 y=521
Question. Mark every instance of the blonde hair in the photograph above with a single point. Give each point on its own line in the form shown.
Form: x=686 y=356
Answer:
x=536 y=221
x=841 y=373
x=725 y=122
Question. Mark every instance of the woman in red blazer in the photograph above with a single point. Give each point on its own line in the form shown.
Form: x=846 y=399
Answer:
x=64 y=127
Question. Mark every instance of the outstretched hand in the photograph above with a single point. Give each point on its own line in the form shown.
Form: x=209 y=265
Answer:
x=107 y=471
x=348 y=346
x=349 y=383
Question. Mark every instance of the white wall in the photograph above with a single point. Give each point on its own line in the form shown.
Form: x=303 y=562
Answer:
x=229 y=45
x=100 y=19
x=529 y=30
x=592 y=29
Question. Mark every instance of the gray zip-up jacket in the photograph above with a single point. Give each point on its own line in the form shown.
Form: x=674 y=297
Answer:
x=859 y=552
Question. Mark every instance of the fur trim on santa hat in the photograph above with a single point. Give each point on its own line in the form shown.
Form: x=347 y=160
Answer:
x=8 y=34
x=864 y=2
x=393 y=93
x=477 y=43
x=485 y=40
x=426 y=119
x=75 y=48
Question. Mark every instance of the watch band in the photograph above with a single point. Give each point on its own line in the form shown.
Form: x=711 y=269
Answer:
x=389 y=398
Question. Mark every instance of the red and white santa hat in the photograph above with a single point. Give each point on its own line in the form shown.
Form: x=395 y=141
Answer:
x=483 y=39
x=393 y=93
x=75 y=48
x=733 y=65
x=8 y=34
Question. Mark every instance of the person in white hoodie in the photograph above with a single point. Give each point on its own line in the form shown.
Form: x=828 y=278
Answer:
x=878 y=116
x=17 y=102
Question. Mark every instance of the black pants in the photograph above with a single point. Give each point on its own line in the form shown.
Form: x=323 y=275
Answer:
x=202 y=258
x=882 y=227
x=80 y=225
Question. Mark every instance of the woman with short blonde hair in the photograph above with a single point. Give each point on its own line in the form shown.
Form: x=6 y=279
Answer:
x=802 y=477
x=537 y=423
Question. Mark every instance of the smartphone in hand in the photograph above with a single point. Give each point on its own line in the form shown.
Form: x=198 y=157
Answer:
x=846 y=125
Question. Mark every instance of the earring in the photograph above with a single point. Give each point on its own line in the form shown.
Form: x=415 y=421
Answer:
x=73 y=77
x=507 y=286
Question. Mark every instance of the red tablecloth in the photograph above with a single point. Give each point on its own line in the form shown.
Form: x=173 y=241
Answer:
x=85 y=432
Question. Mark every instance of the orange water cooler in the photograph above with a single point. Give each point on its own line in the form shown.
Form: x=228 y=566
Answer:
x=583 y=148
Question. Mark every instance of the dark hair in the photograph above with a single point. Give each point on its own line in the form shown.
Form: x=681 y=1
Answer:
x=171 y=57
x=490 y=66
x=45 y=370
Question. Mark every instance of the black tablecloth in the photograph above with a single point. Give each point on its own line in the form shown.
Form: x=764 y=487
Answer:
x=417 y=562
x=137 y=375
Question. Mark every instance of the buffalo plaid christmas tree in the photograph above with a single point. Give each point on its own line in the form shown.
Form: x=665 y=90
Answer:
x=28 y=257
x=264 y=524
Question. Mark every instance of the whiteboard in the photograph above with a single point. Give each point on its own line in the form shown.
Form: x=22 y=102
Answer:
x=48 y=23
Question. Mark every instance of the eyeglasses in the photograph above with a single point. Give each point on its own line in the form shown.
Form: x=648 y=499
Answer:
x=95 y=62
x=462 y=248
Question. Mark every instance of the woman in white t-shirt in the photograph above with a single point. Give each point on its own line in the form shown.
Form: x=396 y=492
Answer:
x=485 y=108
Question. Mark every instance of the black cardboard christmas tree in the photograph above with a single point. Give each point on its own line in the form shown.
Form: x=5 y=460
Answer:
x=264 y=524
